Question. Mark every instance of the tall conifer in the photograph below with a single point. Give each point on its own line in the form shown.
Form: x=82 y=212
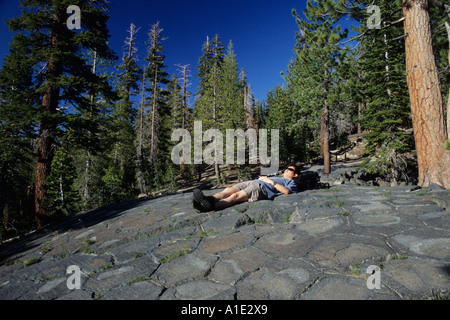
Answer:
x=231 y=93
x=312 y=75
x=123 y=117
x=159 y=112
x=55 y=55
x=386 y=114
x=208 y=107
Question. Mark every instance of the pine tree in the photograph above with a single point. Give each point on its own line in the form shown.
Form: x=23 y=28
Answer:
x=90 y=149
x=384 y=93
x=280 y=112
x=248 y=102
x=176 y=104
x=236 y=100
x=424 y=55
x=184 y=82
x=123 y=118
x=312 y=75
x=260 y=114
x=182 y=118
x=231 y=93
x=178 y=120
x=19 y=104
x=160 y=130
x=62 y=197
x=141 y=133
x=64 y=76
x=208 y=103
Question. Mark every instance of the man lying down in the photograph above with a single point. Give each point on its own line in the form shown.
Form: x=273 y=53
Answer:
x=263 y=188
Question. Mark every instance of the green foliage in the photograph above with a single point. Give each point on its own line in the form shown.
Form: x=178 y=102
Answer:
x=160 y=128
x=313 y=83
x=293 y=131
x=383 y=78
x=119 y=178
x=26 y=77
x=231 y=100
x=382 y=88
x=220 y=102
x=62 y=196
x=113 y=190
x=388 y=163
x=207 y=106
x=18 y=118
x=175 y=104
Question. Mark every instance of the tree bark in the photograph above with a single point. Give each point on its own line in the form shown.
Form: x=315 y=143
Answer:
x=45 y=140
x=325 y=141
x=154 y=34
x=153 y=143
x=140 y=157
x=427 y=108
x=447 y=26
x=45 y=155
x=185 y=96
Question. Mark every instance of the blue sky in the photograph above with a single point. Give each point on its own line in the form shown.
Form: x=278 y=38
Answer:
x=263 y=32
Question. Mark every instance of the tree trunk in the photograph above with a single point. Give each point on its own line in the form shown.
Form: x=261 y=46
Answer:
x=447 y=26
x=325 y=141
x=3 y=186
x=45 y=153
x=45 y=140
x=427 y=108
x=154 y=83
x=217 y=172
x=140 y=157
x=359 y=117
x=185 y=105
x=153 y=123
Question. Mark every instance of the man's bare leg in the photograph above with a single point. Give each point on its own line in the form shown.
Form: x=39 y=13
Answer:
x=234 y=198
x=226 y=193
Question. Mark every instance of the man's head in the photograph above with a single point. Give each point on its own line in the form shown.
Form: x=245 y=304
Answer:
x=292 y=171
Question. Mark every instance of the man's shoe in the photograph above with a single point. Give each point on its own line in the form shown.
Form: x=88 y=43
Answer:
x=197 y=206
x=204 y=202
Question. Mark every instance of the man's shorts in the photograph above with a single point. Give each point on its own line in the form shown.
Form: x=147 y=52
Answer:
x=253 y=189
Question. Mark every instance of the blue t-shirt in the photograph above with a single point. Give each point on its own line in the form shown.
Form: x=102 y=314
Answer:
x=272 y=192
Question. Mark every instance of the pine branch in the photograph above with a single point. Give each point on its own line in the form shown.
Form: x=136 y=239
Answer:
x=441 y=5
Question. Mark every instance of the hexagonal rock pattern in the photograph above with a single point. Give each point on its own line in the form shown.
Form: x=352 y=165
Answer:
x=317 y=244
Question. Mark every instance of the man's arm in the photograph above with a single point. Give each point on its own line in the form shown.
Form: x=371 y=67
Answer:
x=277 y=186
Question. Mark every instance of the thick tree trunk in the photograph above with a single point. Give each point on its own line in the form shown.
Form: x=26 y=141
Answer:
x=447 y=26
x=325 y=141
x=427 y=108
x=45 y=151
x=45 y=140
